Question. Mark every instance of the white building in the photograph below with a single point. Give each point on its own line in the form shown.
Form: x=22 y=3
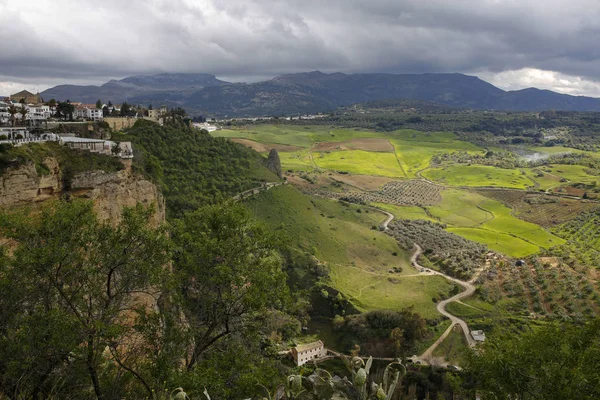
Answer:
x=38 y=112
x=89 y=112
x=306 y=352
x=94 y=114
x=205 y=125
x=478 y=336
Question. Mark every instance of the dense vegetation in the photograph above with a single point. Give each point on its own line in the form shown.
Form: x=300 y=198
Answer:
x=191 y=167
x=552 y=362
x=205 y=299
x=451 y=253
x=381 y=333
x=71 y=161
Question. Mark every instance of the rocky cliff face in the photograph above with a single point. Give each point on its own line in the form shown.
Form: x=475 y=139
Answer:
x=274 y=163
x=109 y=191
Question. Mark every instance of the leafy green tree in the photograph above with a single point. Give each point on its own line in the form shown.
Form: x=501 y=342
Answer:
x=228 y=270
x=98 y=103
x=77 y=286
x=65 y=110
x=551 y=362
x=125 y=110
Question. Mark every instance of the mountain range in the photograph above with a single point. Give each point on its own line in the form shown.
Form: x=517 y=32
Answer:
x=315 y=92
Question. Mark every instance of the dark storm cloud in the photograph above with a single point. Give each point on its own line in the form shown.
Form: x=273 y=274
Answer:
x=86 y=40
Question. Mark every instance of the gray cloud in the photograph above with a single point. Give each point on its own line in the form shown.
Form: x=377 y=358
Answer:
x=504 y=40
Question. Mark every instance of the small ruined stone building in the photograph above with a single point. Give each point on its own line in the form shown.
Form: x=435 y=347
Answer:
x=305 y=352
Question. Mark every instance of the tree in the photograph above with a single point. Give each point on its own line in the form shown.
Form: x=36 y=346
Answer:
x=52 y=103
x=229 y=271
x=13 y=111
x=550 y=362
x=23 y=111
x=77 y=286
x=65 y=110
x=125 y=109
x=98 y=104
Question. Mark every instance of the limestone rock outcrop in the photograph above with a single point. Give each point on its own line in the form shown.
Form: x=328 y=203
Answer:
x=110 y=192
x=274 y=163
x=23 y=185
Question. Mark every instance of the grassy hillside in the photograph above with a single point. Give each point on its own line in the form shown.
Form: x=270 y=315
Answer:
x=366 y=265
x=193 y=168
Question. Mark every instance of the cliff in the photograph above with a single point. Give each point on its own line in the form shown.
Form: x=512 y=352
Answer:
x=110 y=192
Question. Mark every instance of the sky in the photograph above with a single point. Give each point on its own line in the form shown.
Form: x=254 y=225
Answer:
x=513 y=44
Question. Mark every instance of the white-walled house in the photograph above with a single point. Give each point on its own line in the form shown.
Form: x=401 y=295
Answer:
x=94 y=114
x=306 y=352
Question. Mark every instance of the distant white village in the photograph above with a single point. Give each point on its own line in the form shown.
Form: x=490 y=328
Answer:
x=27 y=109
x=25 y=119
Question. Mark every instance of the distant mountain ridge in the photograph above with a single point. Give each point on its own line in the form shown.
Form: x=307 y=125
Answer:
x=315 y=91
x=118 y=91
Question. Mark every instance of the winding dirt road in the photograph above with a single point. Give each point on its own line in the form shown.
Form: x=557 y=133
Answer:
x=441 y=306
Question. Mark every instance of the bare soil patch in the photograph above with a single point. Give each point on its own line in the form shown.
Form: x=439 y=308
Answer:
x=264 y=147
x=366 y=144
x=371 y=144
x=330 y=146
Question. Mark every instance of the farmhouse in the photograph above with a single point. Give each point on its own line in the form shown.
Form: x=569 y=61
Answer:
x=478 y=336
x=310 y=351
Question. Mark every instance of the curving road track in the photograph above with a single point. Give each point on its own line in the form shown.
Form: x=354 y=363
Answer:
x=441 y=306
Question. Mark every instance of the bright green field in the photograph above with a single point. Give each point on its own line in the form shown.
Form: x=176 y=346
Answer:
x=369 y=292
x=295 y=135
x=415 y=155
x=460 y=208
x=358 y=256
x=574 y=173
x=360 y=162
x=478 y=175
x=553 y=173
x=479 y=218
x=296 y=161
x=500 y=242
x=413 y=149
x=505 y=233
x=504 y=222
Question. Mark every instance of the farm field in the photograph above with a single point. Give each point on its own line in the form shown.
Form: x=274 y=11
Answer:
x=360 y=162
x=538 y=208
x=361 y=260
x=542 y=287
x=415 y=155
x=478 y=175
x=550 y=176
x=461 y=208
x=409 y=151
x=497 y=241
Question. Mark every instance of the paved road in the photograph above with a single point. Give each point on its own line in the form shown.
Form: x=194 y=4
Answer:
x=441 y=306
